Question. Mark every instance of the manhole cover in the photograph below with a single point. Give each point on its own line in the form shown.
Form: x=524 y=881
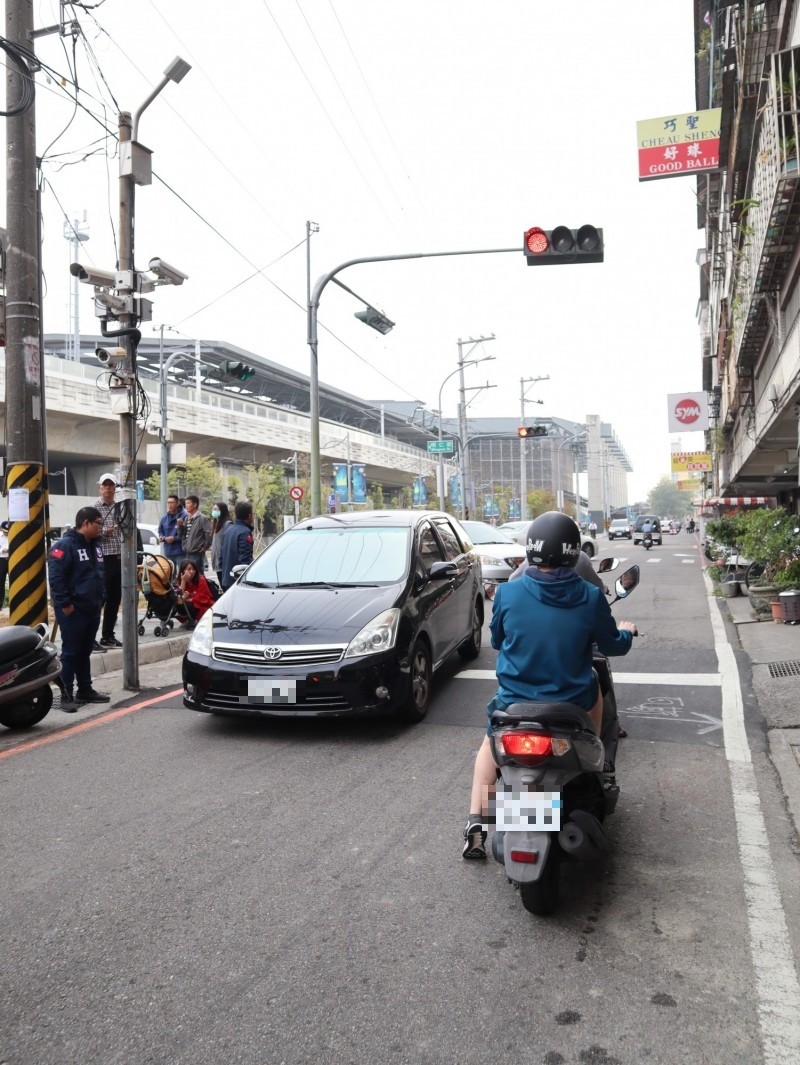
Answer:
x=784 y=669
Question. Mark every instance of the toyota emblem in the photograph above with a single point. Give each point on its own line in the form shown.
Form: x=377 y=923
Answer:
x=272 y=653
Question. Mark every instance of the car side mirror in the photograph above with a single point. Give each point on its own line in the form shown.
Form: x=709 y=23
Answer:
x=237 y=571
x=626 y=582
x=605 y=565
x=440 y=571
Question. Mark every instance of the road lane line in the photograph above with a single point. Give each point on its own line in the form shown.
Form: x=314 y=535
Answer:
x=777 y=986
x=686 y=680
x=83 y=726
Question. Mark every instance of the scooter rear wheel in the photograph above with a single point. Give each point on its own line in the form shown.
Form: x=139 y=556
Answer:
x=29 y=711
x=540 y=897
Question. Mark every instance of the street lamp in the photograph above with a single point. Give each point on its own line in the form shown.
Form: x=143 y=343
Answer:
x=312 y=340
x=571 y=439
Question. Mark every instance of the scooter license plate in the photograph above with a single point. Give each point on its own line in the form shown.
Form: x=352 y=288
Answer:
x=526 y=811
x=271 y=691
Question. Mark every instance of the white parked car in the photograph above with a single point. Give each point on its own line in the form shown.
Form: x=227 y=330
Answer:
x=150 y=542
x=518 y=530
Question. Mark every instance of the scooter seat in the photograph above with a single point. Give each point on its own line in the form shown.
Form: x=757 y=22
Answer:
x=553 y=715
x=16 y=641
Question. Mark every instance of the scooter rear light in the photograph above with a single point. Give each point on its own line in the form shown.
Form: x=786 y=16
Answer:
x=526 y=744
x=531 y=857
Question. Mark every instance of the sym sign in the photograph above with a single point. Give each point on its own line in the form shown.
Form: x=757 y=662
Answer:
x=687 y=411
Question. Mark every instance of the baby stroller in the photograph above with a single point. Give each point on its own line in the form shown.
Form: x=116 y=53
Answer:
x=163 y=603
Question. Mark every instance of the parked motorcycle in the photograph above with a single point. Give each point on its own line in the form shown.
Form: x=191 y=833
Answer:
x=29 y=664
x=556 y=784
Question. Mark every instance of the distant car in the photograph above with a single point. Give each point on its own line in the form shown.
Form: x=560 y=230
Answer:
x=518 y=531
x=619 y=529
x=498 y=553
x=150 y=542
x=654 y=521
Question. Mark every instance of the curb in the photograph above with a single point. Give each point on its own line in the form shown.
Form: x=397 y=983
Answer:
x=155 y=651
x=784 y=750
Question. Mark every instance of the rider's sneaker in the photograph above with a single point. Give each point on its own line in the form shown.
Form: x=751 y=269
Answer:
x=474 y=839
x=609 y=778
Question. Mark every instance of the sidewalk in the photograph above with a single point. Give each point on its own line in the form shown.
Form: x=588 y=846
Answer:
x=774 y=652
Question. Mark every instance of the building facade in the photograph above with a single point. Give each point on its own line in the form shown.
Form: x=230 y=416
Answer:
x=747 y=62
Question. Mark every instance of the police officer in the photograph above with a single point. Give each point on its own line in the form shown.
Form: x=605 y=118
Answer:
x=77 y=588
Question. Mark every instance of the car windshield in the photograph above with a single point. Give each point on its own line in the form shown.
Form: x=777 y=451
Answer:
x=618 y=522
x=480 y=533
x=345 y=555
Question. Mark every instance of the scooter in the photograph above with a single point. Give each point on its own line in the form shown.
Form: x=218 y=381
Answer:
x=647 y=541
x=556 y=785
x=29 y=664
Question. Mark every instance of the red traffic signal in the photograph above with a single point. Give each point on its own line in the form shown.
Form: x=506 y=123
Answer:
x=546 y=247
x=532 y=430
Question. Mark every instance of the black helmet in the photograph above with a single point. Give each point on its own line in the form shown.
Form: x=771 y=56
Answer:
x=553 y=540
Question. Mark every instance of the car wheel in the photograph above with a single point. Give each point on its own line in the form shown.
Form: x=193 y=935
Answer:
x=471 y=647
x=589 y=549
x=419 y=685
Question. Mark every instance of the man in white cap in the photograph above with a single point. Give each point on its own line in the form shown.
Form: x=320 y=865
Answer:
x=110 y=544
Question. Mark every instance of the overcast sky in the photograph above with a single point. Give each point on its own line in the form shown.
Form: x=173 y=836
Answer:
x=426 y=125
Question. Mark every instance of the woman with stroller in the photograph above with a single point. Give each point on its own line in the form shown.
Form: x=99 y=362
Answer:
x=221 y=517
x=194 y=592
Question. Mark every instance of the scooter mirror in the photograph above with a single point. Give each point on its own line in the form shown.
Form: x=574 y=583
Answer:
x=605 y=565
x=627 y=582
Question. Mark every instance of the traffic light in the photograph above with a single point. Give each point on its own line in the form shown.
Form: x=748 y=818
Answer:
x=532 y=430
x=238 y=370
x=547 y=247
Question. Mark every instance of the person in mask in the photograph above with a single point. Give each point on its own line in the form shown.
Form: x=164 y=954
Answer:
x=220 y=517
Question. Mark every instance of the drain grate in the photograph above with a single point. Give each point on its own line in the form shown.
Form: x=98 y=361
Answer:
x=784 y=669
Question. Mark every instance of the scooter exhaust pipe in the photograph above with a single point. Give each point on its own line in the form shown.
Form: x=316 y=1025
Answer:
x=583 y=837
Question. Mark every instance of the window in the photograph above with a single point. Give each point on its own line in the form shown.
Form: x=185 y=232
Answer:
x=429 y=549
x=452 y=547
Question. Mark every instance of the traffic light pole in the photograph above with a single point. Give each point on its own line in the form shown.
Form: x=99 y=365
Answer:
x=312 y=340
x=523 y=465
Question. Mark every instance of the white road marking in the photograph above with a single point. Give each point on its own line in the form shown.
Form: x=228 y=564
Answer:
x=654 y=560
x=777 y=987
x=686 y=680
x=687 y=561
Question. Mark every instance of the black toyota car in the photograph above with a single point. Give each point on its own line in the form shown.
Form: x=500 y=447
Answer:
x=342 y=614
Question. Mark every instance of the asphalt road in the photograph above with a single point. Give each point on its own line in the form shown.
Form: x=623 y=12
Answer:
x=186 y=889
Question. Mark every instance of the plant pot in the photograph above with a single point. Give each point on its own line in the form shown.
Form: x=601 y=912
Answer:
x=777 y=610
x=761 y=596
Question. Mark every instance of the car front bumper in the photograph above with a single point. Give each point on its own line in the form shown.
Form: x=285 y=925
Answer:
x=340 y=689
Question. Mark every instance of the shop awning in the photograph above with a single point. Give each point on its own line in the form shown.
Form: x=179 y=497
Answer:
x=738 y=501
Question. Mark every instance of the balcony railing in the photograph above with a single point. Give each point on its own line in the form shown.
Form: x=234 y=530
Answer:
x=770 y=217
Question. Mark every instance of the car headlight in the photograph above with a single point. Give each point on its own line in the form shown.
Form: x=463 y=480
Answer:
x=488 y=560
x=379 y=635
x=202 y=640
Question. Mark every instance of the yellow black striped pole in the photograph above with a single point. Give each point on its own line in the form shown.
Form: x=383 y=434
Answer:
x=27 y=577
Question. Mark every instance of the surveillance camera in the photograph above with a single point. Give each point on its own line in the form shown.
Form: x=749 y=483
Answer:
x=90 y=275
x=169 y=275
x=110 y=357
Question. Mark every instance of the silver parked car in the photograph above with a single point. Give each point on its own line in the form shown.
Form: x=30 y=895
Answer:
x=499 y=554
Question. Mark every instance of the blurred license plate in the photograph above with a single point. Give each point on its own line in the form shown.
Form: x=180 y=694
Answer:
x=271 y=691
x=527 y=811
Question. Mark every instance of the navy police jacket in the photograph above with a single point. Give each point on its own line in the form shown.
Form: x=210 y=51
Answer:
x=237 y=548
x=75 y=567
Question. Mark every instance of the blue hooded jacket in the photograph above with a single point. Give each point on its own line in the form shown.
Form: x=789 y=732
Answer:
x=544 y=626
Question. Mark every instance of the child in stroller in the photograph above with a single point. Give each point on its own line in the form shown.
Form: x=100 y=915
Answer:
x=156 y=574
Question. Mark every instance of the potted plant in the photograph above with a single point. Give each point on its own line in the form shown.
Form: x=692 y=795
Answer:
x=767 y=537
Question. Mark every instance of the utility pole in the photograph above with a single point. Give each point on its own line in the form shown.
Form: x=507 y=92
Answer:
x=26 y=474
x=466 y=473
x=523 y=465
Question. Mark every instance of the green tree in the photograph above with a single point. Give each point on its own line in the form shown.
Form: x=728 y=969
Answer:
x=666 y=501
x=197 y=476
x=268 y=492
x=540 y=500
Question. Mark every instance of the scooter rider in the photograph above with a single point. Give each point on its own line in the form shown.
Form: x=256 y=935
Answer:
x=647 y=531
x=544 y=626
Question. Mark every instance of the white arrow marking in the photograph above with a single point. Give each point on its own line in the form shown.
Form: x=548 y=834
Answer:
x=712 y=723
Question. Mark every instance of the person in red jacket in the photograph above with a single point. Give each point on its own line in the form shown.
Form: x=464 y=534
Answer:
x=194 y=591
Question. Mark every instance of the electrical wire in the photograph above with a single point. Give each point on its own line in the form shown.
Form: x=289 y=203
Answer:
x=73 y=69
x=18 y=57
